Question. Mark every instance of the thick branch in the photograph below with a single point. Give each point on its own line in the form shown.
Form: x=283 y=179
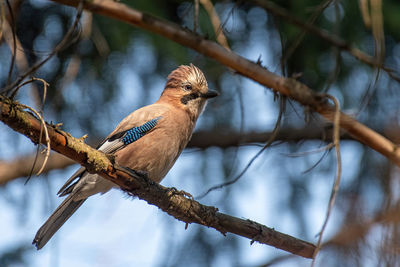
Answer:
x=169 y=200
x=285 y=86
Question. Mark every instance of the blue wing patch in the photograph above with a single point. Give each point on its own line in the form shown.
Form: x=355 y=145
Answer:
x=138 y=132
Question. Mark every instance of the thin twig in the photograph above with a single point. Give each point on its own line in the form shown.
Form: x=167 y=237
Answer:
x=196 y=15
x=216 y=22
x=324 y=35
x=45 y=84
x=21 y=61
x=64 y=42
x=43 y=127
x=367 y=96
x=364 y=7
x=269 y=142
x=14 y=44
x=335 y=188
x=304 y=153
x=46 y=133
x=298 y=39
x=335 y=72
x=316 y=163
x=377 y=30
x=2 y=18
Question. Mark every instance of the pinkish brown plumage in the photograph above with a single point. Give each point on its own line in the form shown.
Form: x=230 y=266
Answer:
x=149 y=139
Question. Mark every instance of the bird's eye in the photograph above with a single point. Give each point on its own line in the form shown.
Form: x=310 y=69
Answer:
x=188 y=87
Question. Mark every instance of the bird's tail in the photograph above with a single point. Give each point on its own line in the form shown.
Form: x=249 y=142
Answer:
x=56 y=220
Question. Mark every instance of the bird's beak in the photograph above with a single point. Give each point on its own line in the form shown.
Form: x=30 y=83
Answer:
x=210 y=94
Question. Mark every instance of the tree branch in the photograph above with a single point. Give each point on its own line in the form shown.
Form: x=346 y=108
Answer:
x=22 y=166
x=326 y=36
x=174 y=202
x=285 y=86
x=353 y=233
x=226 y=139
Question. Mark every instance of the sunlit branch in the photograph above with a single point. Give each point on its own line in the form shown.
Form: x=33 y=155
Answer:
x=173 y=202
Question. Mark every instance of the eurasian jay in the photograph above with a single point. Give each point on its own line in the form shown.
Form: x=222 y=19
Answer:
x=149 y=140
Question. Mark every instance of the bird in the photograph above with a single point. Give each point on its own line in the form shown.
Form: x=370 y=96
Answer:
x=149 y=140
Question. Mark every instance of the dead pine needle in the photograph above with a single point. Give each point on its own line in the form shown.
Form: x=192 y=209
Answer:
x=46 y=133
x=314 y=151
x=335 y=188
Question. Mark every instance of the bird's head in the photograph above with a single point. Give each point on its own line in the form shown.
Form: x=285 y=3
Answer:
x=187 y=88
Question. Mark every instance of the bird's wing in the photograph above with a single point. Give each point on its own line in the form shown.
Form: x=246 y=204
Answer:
x=123 y=138
x=134 y=126
x=111 y=144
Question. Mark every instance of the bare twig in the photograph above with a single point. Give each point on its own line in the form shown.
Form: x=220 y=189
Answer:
x=377 y=30
x=364 y=6
x=46 y=133
x=43 y=126
x=298 y=39
x=317 y=162
x=14 y=43
x=313 y=151
x=216 y=22
x=196 y=15
x=367 y=96
x=169 y=200
x=100 y=41
x=269 y=142
x=333 y=75
x=20 y=58
x=64 y=42
x=2 y=18
x=324 y=35
x=74 y=64
x=335 y=189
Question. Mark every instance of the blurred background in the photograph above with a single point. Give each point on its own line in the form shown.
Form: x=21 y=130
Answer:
x=110 y=69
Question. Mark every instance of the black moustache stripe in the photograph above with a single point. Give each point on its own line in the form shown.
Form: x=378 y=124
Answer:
x=185 y=99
